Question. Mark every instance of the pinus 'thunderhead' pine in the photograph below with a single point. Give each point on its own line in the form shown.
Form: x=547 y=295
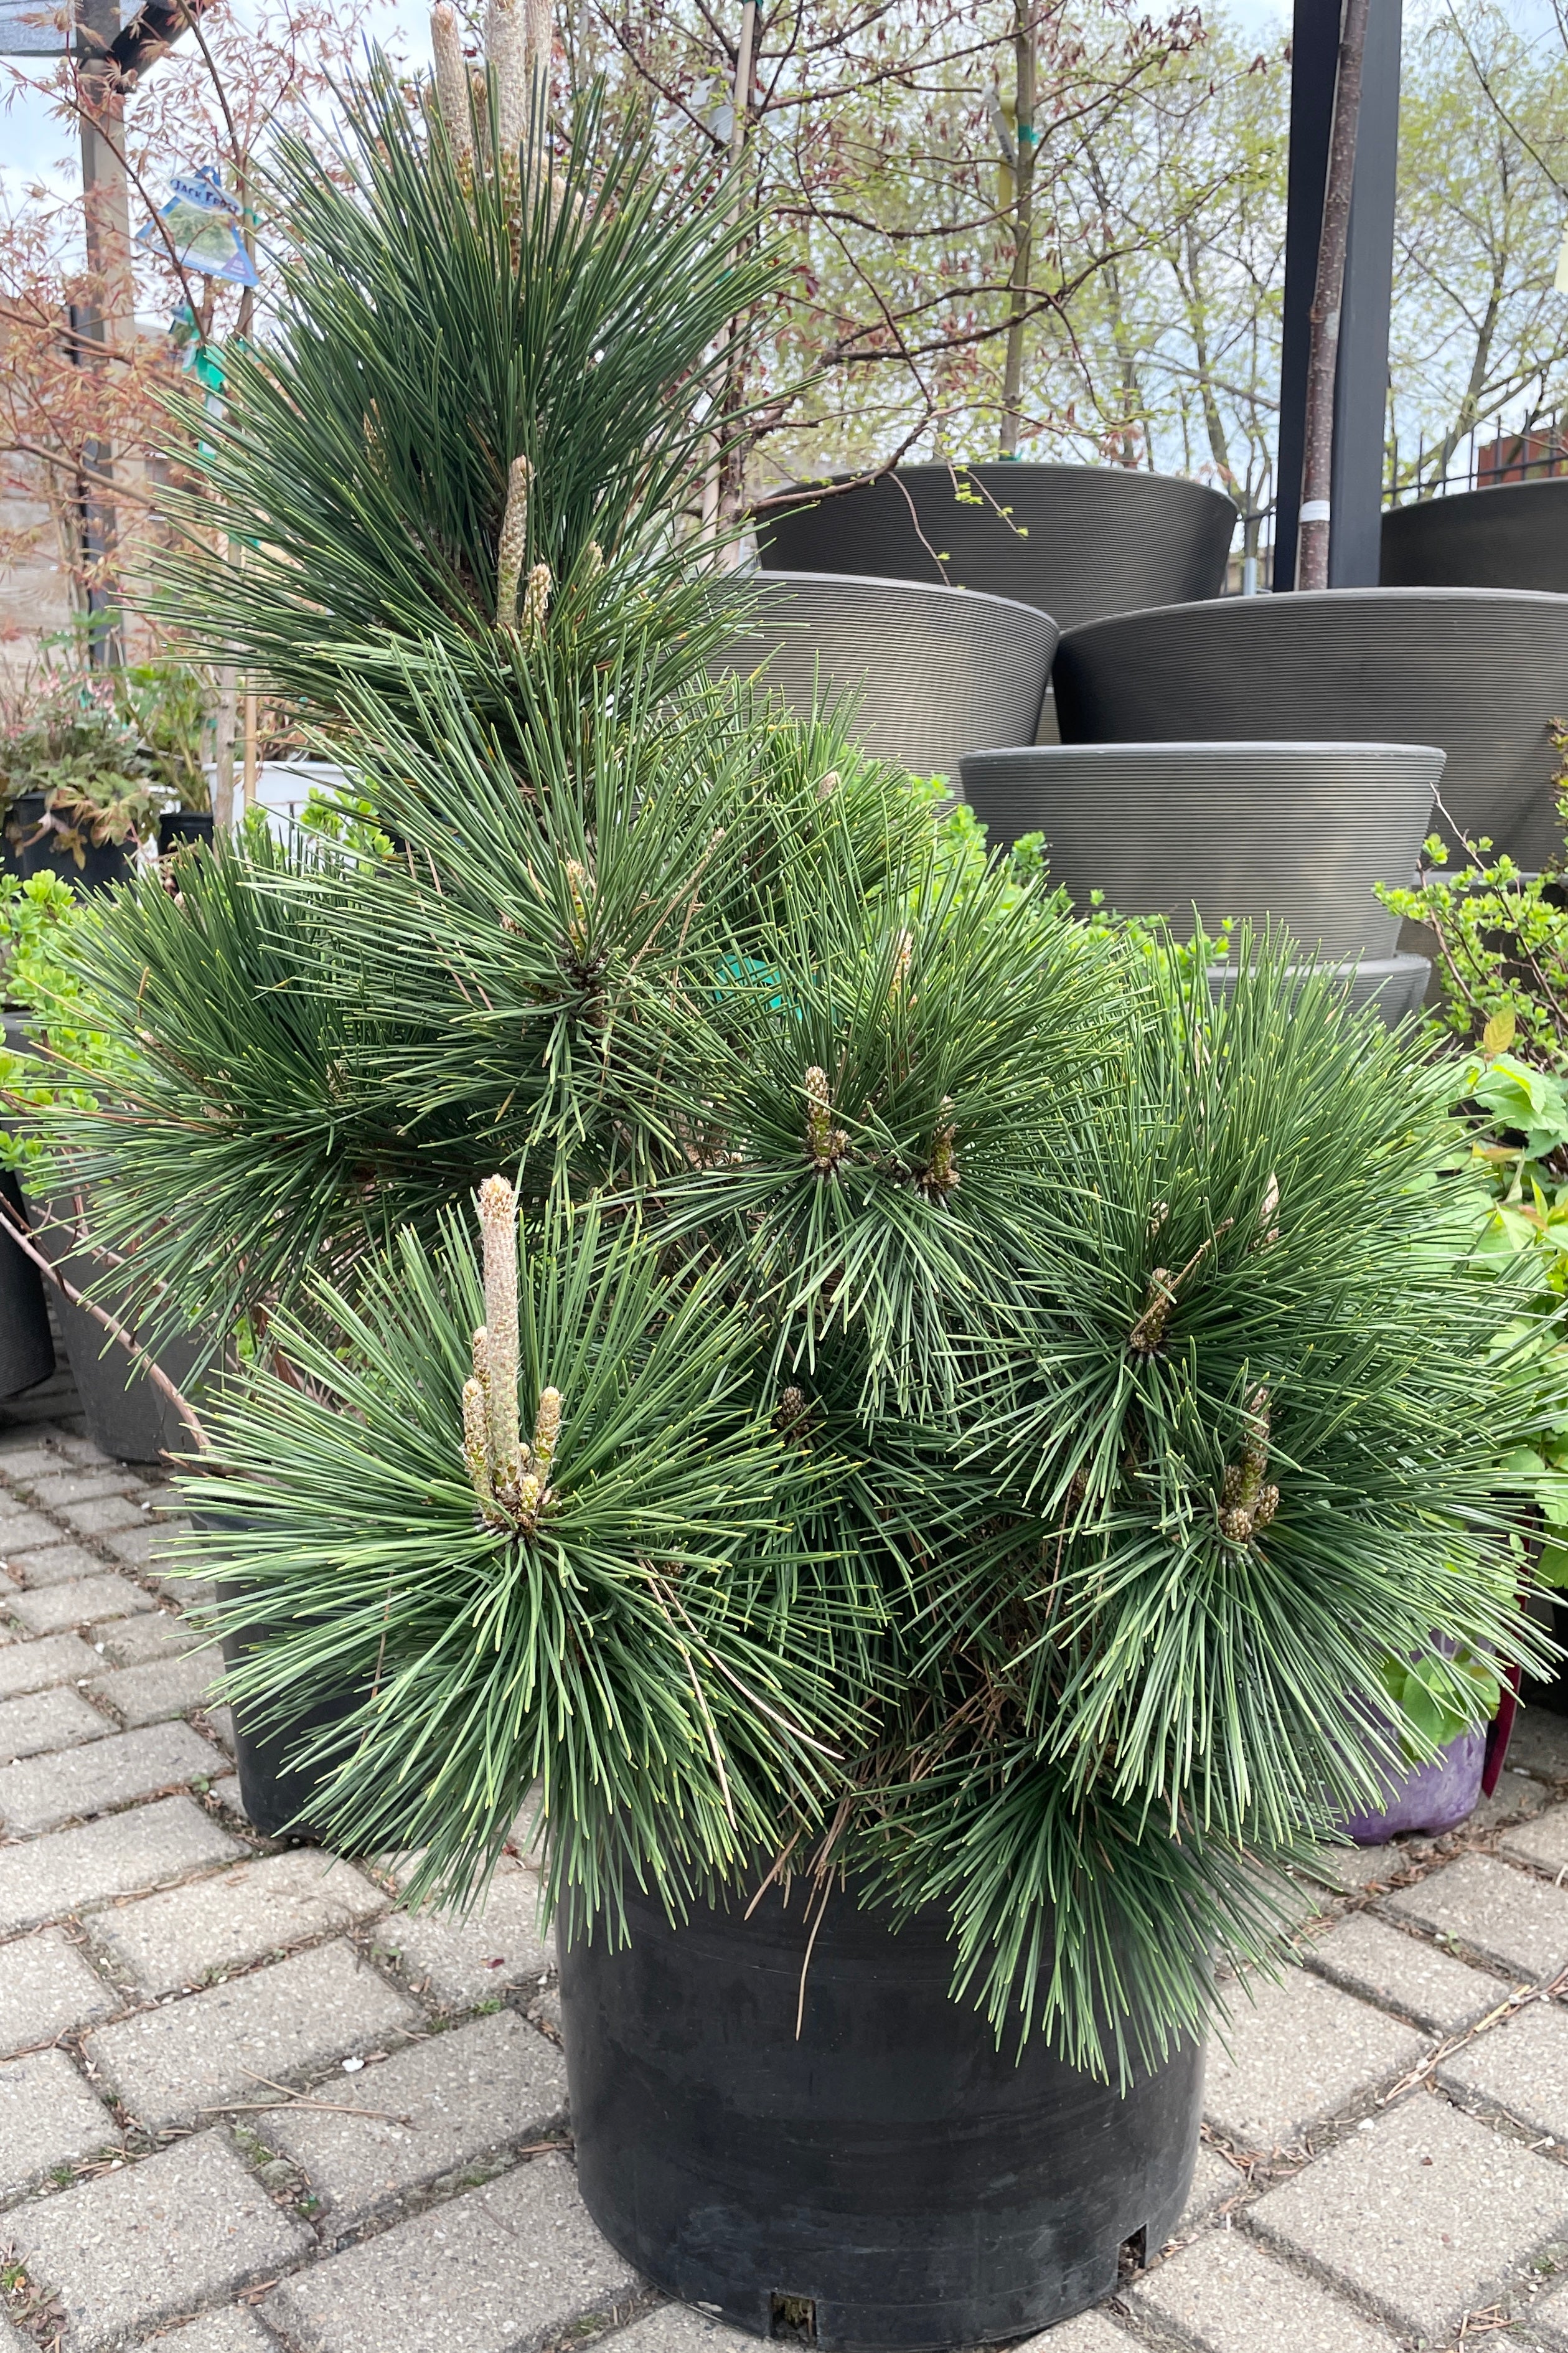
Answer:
x=937 y=1396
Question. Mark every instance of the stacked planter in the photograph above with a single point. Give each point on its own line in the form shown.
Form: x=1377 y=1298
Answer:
x=1077 y=541
x=1294 y=834
x=933 y=672
x=1480 y=672
x=1514 y=536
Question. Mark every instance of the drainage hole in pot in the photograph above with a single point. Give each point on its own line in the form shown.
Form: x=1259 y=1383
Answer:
x=794 y=2316
x=1133 y=2258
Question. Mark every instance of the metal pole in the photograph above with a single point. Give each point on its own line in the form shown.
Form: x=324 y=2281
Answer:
x=107 y=318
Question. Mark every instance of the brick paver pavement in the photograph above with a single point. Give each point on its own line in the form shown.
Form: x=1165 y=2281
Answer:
x=245 y=2106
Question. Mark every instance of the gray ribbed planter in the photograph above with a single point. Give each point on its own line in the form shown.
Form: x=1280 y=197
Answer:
x=1514 y=536
x=936 y=672
x=1298 y=833
x=1480 y=671
x=1396 y=985
x=126 y=1415
x=1081 y=540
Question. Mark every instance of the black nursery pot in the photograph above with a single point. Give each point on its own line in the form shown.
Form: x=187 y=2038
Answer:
x=176 y=827
x=888 y=2178
x=33 y=851
x=276 y=1795
x=27 y=1344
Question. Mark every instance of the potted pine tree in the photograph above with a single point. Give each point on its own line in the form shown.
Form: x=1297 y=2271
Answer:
x=921 y=1462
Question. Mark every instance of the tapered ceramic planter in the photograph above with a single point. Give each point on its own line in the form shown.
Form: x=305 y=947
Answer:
x=1514 y=536
x=1297 y=833
x=1433 y=1798
x=1482 y=673
x=1077 y=541
x=1396 y=985
x=127 y=1416
x=884 y=2178
x=933 y=672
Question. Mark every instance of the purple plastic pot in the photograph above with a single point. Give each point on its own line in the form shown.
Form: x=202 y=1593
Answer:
x=1436 y=1797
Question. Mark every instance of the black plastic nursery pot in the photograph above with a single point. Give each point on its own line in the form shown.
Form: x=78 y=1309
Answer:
x=887 y=2177
x=27 y=1344
x=36 y=847
x=177 y=826
x=277 y=1795
x=1077 y=541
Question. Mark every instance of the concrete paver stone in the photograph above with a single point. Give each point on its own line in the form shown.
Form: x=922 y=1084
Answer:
x=239 y=1915
x=1086 y=2332
x=1226 y=2294
x=465 y=1961
x=1368 y=1957
x=1522 y=2068
x=79 y=1484
x=102 y=1515
x=48 y=1719
x=56 y=1564
x=1549 y=2317
x=680 y=2329
x=1517 y=1923
x=34 y=1666
x=140 y=1641
x=1215 y=2179
x=480 y=2088
x=27 y=1457
x=36 y=1795
x=499 y=2270
x=1542 y=1843
x=47 y=1989
x=237 y=2330
x=1299 y=2052
x=172 y=2063
x=162 y=1689
x=120 y=1854
x=161 y=2237
x=1539 y=1744
x=82 y=1602
x=47 y=2117
x=24 y=1530
x=147 y=1547
x=1429 y=2215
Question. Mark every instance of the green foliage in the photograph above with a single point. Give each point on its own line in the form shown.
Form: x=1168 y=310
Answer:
x=438 y=324
x=41 y=920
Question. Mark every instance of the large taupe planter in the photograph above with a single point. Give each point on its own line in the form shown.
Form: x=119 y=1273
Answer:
x=1514 y=536
x=1298 y=834
x=1480 y=671
x=1079 y=540
x=126 y=1415
x=936 y=672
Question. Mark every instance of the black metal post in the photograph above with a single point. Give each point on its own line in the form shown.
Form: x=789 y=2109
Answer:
x=1361 y=382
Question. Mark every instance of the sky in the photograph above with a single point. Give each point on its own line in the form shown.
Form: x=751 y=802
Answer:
x=35 y=143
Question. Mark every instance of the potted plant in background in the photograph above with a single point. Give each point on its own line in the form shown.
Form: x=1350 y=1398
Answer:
x=88 y=761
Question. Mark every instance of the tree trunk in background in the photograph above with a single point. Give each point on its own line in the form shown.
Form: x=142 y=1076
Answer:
x=1318 y=458
x=1024 y=154
x=106 y=321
